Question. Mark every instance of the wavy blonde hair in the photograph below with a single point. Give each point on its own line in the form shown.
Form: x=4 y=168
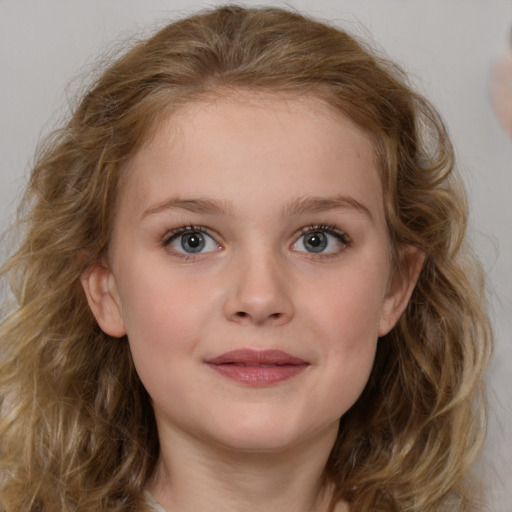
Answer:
x=77 y=431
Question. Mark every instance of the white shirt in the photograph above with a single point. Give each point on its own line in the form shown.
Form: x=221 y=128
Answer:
x=155 y=506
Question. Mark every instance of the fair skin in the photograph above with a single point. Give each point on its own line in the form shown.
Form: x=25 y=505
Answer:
x=247 y=226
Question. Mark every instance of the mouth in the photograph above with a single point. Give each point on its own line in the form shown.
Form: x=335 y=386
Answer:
x=257 y=368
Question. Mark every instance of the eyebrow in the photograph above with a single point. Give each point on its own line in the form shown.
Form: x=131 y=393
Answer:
x=199 y=205
x=308 y=204
x=297 y=206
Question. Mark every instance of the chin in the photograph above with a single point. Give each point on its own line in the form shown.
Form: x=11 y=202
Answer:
x=273 y=437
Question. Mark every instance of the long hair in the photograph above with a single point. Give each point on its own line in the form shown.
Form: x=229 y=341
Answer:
x=77 y=431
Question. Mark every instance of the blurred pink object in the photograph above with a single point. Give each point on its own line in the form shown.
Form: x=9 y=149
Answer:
x=501 y=90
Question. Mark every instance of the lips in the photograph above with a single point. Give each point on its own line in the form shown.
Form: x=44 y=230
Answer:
x=257 y=368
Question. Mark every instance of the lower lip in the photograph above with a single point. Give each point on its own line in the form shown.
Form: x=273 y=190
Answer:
x=258 y=375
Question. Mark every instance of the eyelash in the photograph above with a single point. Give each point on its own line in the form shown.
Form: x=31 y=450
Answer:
x=171 y=235
x=174 y=233
x=330 y=229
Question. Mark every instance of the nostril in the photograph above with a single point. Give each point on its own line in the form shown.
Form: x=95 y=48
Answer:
x=259 y=317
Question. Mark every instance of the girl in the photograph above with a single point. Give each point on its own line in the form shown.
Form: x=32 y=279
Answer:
x=244 y=285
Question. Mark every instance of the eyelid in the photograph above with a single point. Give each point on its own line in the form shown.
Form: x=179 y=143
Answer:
x=328 y=228
x=342 y=237
x=172 y=234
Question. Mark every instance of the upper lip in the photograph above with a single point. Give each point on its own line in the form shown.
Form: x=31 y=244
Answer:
x=251 y=357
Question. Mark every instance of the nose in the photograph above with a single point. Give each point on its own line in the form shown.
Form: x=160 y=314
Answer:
x=259 y=292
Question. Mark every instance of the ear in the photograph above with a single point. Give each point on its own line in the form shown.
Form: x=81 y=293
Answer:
x=101 y=292
x=400 y=288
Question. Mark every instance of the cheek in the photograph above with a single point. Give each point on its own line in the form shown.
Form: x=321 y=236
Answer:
x=164 y=313
x=164 y=327
x=345 y=317
x=348 y=308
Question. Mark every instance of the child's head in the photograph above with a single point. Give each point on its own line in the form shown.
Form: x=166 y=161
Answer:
x=83 y=401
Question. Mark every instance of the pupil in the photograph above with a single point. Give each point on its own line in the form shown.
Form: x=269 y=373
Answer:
x=316 y=242
x=193 y=242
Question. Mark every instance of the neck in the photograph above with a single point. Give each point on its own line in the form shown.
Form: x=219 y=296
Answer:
x=192 y=475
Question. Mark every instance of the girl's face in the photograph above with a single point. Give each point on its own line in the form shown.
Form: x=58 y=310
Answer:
x=249 y=268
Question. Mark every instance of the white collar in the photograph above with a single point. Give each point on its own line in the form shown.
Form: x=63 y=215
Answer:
x=156 y=507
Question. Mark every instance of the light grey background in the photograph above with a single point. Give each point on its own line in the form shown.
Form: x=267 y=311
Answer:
x=448 y=46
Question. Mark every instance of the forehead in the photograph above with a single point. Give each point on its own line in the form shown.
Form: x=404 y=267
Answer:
x=239 y=106
x=279 y=146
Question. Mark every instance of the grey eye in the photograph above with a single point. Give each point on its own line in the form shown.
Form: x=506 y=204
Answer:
x=192 y=242
x=315 y=241
x=319 y=240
